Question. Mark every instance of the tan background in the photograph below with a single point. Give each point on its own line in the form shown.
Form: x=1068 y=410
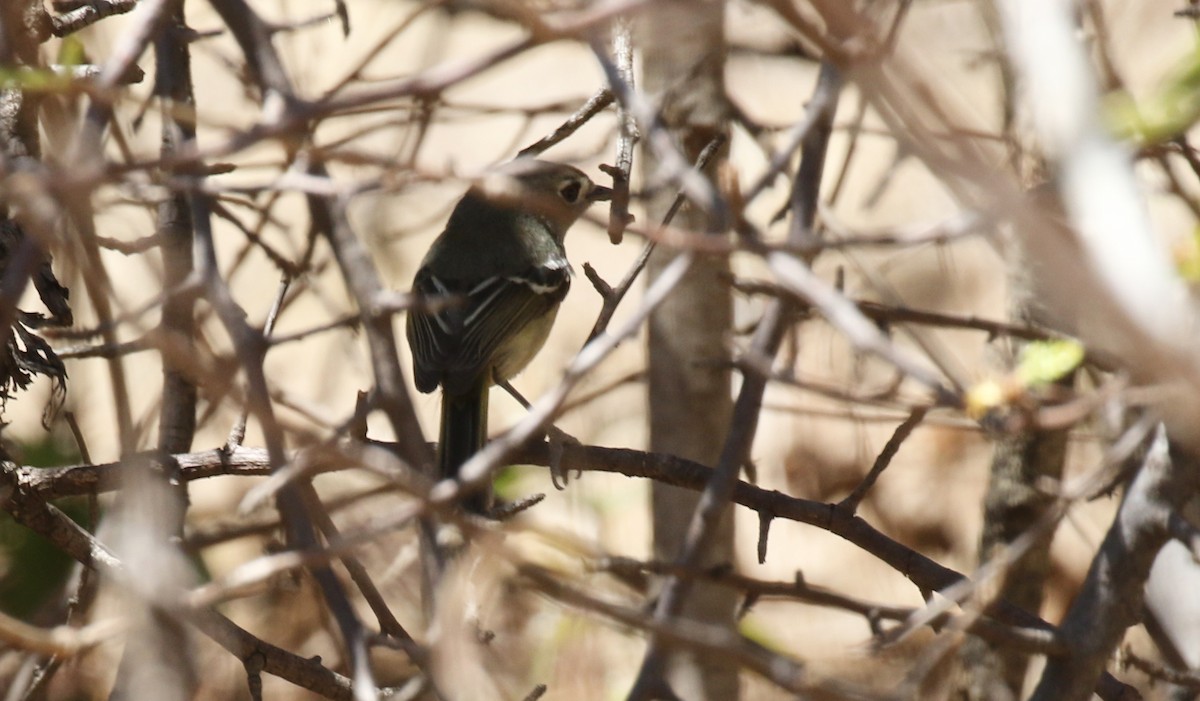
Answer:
x=930 y=497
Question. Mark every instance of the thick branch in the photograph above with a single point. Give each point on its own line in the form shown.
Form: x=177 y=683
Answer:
x=1111 y=598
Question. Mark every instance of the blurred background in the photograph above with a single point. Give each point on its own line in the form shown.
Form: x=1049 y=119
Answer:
x=408 y=161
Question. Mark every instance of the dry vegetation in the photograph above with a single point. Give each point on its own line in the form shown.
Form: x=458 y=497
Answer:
x=919 y=507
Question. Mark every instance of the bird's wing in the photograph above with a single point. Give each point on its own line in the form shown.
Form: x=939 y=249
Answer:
x=453 y=345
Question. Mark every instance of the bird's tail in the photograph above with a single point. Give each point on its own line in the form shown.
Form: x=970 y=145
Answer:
x=464 y=431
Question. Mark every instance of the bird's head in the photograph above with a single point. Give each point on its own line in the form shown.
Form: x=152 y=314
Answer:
x=557 y=192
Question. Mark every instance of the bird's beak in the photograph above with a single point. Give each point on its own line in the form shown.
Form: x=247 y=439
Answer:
x=599 y=193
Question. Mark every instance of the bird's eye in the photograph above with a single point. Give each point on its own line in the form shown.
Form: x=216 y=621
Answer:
x=570 y=191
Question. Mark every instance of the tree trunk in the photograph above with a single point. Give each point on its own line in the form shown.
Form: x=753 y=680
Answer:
x=689 y=380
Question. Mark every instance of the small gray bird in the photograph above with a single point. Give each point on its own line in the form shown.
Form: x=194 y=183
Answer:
x=502 y=264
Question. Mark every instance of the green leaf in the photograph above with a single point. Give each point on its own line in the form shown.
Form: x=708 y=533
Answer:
x=33 y=80
x=32 y=570
x=1163 y=115
x=755 y=631
x=71 y=52
x=507 y=481
x=1187 y=257
x=1043 y=362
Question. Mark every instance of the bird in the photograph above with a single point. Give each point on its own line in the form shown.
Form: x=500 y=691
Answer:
x=501 y=269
